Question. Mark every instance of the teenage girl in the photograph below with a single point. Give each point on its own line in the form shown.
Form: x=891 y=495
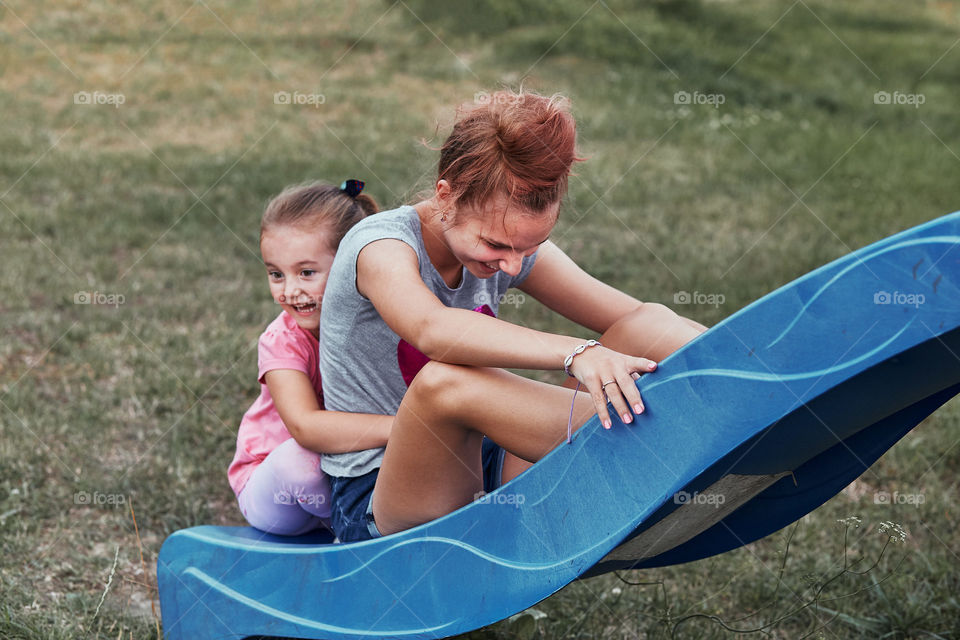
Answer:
x=276 y=470
x=416 y=272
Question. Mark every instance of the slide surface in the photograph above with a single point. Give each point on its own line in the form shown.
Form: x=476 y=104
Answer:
x=748 y=428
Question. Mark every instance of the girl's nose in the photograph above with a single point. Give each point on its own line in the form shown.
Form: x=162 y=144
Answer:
x=290 y=291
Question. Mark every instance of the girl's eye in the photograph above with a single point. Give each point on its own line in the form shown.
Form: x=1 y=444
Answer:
x=274 y=275
x=308 y=273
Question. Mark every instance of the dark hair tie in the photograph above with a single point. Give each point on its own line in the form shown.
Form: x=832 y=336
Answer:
x=352 y=187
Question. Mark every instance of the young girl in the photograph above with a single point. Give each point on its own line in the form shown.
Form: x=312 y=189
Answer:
x=276 y=470
x=416 y=272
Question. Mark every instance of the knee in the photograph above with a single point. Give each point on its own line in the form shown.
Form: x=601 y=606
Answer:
x=307 y=476
x=641 y=319
x=641 y=332
x=292 y=465
x=438 y=385
x=644 y=314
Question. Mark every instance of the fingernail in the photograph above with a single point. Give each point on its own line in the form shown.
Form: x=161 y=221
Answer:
x=627 y=418
x=652 y=365
x=638 y=408
x=607 y=424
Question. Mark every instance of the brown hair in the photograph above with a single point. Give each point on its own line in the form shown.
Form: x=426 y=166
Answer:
x=522 y=145
x=317 y=204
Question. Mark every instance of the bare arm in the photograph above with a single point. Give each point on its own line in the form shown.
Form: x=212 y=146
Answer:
x=388 y=275
x=561 y=285
x=317 y=429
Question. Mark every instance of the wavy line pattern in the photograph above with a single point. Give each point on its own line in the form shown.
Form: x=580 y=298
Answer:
x=780 y=377
x=273 y=612
x=953 y=240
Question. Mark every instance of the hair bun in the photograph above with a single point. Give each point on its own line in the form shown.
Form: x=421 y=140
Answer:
x=352 y=187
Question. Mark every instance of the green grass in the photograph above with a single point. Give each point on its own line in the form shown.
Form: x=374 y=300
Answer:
x=158 y=200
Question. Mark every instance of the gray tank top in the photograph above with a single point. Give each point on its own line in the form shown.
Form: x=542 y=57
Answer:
x=358 y=351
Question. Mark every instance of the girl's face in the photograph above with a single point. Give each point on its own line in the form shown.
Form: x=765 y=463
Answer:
x=298 y=262
x=497 y=235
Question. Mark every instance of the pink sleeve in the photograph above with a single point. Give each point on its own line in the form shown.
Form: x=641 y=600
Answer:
x=283 y=350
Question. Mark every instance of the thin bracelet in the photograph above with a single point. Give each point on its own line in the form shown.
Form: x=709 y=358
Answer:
x=570 y=419
x=568 y=361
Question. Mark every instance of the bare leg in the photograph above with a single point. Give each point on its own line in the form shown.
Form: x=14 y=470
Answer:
x=512 y=467
x=653 y=331
x=432 y=463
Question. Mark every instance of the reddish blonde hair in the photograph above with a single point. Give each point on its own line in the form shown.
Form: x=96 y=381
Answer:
x=521 y=145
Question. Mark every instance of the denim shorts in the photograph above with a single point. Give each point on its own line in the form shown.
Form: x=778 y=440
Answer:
x=352 y=509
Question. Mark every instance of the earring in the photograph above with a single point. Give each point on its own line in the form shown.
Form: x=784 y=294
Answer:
x=443 y=217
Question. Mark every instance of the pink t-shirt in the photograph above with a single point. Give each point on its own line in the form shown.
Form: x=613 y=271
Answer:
x=283 y=345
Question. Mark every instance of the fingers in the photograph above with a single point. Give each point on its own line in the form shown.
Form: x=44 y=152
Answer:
x=623 y=395
x=610 y=378
x=643 y=365
x=600 y=402
x=626 y=392
x=621 y=391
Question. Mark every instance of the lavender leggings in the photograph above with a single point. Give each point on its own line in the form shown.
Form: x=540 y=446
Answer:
x=287 y=494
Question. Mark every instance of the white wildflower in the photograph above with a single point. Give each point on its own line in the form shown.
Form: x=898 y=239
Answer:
x=850 y=521
x=895 y=532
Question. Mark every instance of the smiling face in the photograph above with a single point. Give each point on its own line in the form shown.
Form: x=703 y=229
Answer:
x=298 y=262
x=497 y=235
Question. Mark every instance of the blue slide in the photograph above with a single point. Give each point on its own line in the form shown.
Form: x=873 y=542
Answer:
x=754 y=424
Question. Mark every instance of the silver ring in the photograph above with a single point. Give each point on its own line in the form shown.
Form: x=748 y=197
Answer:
x=606 y=383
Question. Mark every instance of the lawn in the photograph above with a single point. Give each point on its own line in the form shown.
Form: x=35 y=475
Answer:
x=731 y=147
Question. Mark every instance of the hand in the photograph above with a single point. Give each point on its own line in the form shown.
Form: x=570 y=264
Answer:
x=610 y=375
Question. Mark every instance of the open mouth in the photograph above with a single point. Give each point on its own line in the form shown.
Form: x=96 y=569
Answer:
x=305 y=309
x=488 y=268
